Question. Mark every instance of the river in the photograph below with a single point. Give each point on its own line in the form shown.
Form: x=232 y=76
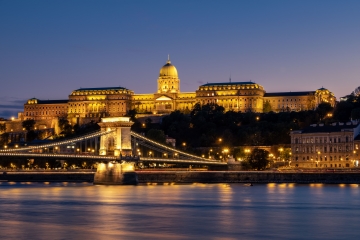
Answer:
x=194 y=211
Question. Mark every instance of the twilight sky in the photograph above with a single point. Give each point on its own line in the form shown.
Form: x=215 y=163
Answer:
x=49 y=48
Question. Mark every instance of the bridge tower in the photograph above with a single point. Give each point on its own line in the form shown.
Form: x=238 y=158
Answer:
x=119 y=141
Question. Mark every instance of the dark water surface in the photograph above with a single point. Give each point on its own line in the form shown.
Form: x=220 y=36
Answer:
x=197 y=211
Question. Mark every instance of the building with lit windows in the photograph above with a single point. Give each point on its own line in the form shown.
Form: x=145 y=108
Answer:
x=326 y=146
x=86 y=104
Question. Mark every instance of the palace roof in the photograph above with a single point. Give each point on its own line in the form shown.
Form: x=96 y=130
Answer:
x=37 y=101
x=289 y=94
x=102 y=88
x=227 y=83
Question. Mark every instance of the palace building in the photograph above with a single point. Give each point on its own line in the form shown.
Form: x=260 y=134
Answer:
x=86 y=104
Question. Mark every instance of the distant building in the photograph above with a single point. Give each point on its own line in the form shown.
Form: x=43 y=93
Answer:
x=326 y=146
x=86 y=104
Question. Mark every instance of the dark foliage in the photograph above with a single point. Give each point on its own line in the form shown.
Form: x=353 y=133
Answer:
x=258 y=159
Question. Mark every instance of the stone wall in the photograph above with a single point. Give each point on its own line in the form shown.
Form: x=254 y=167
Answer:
x=191 y=177
x=47 y=176
x=247 y=177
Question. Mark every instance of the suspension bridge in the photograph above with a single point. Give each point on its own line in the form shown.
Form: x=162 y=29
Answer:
x=113 y=142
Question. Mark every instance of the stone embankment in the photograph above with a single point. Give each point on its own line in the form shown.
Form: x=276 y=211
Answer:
x=192 y=177
x=47 y=176
x=247 y=177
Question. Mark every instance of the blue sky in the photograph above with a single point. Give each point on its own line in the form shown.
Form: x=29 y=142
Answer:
x=49 y=48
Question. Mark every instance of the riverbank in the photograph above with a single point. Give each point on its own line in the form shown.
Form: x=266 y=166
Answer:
x=248 y=177
x=191 y=177
x=47 y=176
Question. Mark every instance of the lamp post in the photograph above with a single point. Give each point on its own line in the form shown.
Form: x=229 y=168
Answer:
x=247 y=152
x=280 y=153
x=355 y=161
x=226 y=151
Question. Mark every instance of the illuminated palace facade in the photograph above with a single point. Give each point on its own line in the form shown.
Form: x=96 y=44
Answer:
x=87 y=104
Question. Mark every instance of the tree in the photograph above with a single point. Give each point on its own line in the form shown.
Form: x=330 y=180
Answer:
x=64 y=126
x=355 y=114
x=132 y=114
x=356 y=92
x=258 y=159
x=323 y=109
x=156 y=135
x=28 y=124
x=2 y=127
x=342 y=111
x=267 y=107
x=4 y=138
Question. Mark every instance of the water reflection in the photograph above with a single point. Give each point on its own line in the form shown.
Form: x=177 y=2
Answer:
x=196 y=211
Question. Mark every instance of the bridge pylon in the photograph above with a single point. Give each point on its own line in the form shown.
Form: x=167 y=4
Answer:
x=119 y=140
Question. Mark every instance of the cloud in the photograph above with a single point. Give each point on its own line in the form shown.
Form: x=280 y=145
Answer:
x=9 y=107
x=200 y=82
x=8 y=114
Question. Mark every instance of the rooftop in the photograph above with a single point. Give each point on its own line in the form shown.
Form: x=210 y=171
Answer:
x=335 y=127
x=99 y=89
x=227 y=83
x=280 y=94
x=50 y=101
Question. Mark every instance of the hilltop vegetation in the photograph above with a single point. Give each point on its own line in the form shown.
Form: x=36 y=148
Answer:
x=210 y=126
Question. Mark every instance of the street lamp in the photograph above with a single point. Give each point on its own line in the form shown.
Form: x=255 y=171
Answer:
x=355 y=162
x=280 y=154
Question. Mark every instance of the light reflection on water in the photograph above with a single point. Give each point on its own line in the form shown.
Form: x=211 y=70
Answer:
x=195 y=211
